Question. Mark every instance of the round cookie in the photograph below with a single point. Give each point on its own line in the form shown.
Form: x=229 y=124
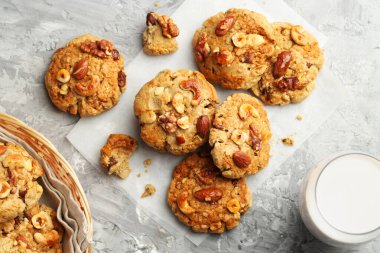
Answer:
x=295 y=65
x=19 y=190
x=175 y=111
x=240 y=136
x=86 y=77
x=204 y=200
x=234 y=48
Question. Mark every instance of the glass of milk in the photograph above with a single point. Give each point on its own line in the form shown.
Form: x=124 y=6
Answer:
x=339 y=200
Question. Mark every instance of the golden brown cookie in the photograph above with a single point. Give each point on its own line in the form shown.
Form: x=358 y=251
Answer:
x=115 y=154
x=204 y=200
x=234 y=48
x=294 y=66
x=40 y=233
x=19 y=190
x=159 y=36
x=175 y=111
x=240 y=136
x=86 y=77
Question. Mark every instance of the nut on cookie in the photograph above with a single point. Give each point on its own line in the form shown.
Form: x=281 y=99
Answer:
x=159 y=36
x=114 y=156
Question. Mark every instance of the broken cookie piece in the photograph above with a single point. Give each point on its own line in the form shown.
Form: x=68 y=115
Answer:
x=159 y=36
x=115 y=154
x=149 y=191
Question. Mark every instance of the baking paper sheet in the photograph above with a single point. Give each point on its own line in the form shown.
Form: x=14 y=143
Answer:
x=90 y=134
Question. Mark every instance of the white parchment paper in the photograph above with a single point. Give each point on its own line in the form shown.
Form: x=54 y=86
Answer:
x=90 y=134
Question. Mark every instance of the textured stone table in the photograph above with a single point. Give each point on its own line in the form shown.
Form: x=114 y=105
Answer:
x=30 y=31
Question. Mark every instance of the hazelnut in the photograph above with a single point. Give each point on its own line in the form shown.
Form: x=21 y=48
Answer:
x=41 y=220
x=239 y=39
x=233 y=205
x=5 y=189
x=63 y=76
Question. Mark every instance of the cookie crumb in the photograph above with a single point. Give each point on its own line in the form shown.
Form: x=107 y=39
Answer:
x=149 y=190
x=138 y=174
x=147 y=162
x=299 y=117
x=157 y=4
x=288 y=140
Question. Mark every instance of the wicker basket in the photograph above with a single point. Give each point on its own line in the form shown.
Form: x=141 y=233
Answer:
x=58 y=164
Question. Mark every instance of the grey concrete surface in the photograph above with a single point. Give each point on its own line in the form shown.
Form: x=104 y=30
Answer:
x=30 y=31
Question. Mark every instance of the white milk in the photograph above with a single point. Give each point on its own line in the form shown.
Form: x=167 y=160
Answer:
x=339 y=199
x=348 y=193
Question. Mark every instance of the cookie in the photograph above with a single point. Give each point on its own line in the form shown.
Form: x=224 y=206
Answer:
x=159 y=36
x=175 y=111
x=40 y=233
x=114 y=156
x=86 y=77
x=234 y=48
x=203 y=199
x=294 y=67
x=19 y=190
x=240 y=136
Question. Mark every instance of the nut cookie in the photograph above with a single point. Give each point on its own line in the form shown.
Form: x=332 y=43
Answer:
x=86 y=77
x=19 y=190
x=159 y=36
x=203 y=199
x=294 y=67
x=175 y=111
x=40 y=233
x=234 y=48
x=240 y=136
x=114 y=156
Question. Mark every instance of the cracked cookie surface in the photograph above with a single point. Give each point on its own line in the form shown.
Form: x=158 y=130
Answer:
x=203 y=199
x=234 y=48
x=86 y=77
x=115 y=154
x=19 y=190
x=175 y=111
x=160 y=35
x=294 y=66
x=240 y=136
